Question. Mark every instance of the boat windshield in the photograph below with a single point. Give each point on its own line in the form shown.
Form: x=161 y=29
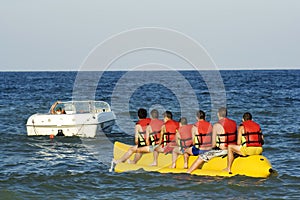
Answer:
x=76 y=107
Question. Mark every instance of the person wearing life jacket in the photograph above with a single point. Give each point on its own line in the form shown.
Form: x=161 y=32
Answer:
x=184 y=139
x=202 y=132
x=143 y=128
x=154 y=128
x=152 y=134
x=141 y=138
x=140 y=130
x=249 y=142
x=167 y=141
x=223 y=134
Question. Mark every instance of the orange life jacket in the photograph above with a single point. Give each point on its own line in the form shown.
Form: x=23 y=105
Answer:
x=141 y=137
x=203 y=137
x=230 y=134
x=252 y=134
x=186 y=137
x=171 y=128
x=156 y=125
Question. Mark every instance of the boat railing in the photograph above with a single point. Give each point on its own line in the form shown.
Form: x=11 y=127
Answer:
x=80 y=107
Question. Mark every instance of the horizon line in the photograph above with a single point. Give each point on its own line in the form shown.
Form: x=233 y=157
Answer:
x=116 y=70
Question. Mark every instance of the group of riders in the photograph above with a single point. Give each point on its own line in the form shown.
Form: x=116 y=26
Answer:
x=201 y=139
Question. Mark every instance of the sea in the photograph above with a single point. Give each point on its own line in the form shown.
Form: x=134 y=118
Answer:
x=78 y=168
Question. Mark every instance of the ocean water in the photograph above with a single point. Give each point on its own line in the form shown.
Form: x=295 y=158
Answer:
x=74 y=168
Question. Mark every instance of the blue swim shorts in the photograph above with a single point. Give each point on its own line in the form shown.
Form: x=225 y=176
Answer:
x=197 y=151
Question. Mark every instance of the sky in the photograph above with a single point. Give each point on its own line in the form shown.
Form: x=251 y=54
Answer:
x=60 y=34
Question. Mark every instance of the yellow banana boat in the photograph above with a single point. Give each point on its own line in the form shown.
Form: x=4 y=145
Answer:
x=253 y=166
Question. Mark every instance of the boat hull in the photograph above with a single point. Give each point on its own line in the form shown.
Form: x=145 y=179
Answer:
x=252 y=166
x=81 y=125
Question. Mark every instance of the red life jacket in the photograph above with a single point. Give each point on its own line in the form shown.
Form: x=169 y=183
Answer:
x=203 y=138
x=252 y=134
x=171 y=128
x=141 y=138
x=229 y=137
x=186 y=137
x=156 y=125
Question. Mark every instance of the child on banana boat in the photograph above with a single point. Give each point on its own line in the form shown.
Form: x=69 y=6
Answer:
x=184 y=139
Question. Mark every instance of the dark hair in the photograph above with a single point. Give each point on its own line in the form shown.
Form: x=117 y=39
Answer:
x=142 y=113
x=222 y=112
x=168 y=114
x=247 y=116
x=183 y=121
x=154 y=114
x=201 y=114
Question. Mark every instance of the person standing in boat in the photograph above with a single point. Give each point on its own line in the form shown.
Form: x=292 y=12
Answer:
x=184 y=139
x=144 y=128
x=167 y=140
x=224 y=134
x=202 y=134
x=249 y=142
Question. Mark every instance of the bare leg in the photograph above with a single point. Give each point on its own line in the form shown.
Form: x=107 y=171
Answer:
x=139 y=153
x=230 y=157
x=137 y=157
x=155 y=155
x=186 y=155
x=186 y=160
x=127 y=155
x=195 y=165
x=174 y=157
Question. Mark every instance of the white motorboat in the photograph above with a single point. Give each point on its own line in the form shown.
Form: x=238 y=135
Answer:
x=78 y=118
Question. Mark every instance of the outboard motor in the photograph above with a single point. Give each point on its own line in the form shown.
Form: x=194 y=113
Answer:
x=60 y=133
